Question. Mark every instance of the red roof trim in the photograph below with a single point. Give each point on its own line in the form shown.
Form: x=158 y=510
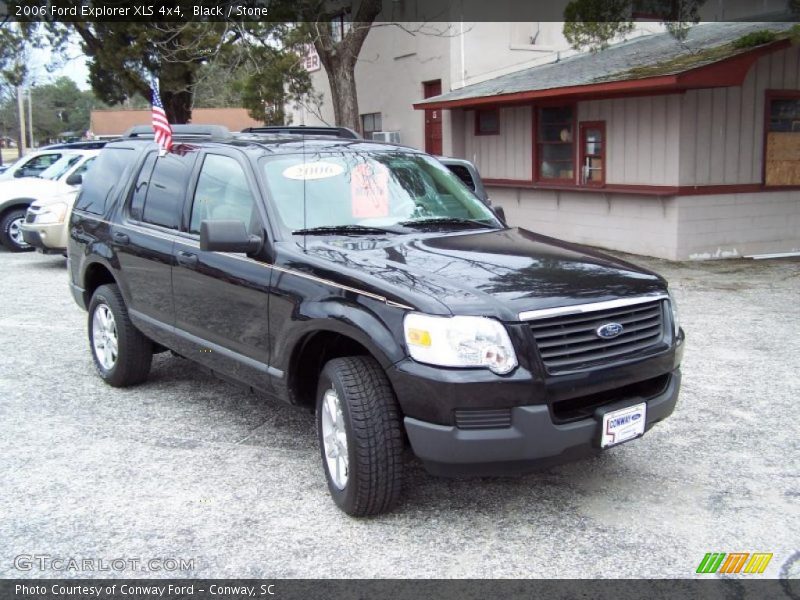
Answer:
x=723 y=73
x=644 y=190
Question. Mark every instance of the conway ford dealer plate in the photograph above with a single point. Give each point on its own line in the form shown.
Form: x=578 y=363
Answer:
x=623 y=425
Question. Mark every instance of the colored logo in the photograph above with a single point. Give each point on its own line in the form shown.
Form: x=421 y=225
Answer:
x=734 y=562
x=609 y=331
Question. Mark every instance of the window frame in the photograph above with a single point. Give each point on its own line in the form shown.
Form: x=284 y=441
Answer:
x=537 y=176
x=191 y=169
x=582 y=127
x=252 y=182
x=478 y=130
x=364 y=130
x=769 y=96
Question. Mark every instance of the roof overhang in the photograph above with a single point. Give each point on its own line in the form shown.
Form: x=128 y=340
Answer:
x=730 y=71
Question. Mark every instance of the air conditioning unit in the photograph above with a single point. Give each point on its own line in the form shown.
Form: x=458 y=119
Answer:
x=391 y=137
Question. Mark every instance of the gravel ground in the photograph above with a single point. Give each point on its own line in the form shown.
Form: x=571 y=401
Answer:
x=186 y=466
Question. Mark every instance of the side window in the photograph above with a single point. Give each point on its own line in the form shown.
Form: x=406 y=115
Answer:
x=222 y=193
x=38 y=164
x=102 y=179
x=139 y=191
x=166 y=190
x=463 y=174
x=84 y=167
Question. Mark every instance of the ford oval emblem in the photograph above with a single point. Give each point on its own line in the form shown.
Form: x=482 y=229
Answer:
x=609 y=331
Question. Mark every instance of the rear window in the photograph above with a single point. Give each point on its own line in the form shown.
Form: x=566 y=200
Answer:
x=101 y=180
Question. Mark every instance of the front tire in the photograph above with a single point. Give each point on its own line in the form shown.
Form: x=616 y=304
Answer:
x=360 y=436
x=10 y=232
x=122 y=355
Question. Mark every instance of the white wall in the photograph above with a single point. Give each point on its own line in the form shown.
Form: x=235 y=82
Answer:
x=640 y=224
x=731 y=225
x=674 y=227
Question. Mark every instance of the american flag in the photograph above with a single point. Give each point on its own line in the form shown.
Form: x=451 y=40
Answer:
x=161 y=127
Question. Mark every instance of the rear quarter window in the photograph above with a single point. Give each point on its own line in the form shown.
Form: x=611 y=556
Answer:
x=103 y=179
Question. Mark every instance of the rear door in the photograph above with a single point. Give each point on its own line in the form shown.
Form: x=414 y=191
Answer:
x=143 y=239
x=222 y=298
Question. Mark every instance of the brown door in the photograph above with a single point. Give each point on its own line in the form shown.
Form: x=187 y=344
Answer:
x=433 y=120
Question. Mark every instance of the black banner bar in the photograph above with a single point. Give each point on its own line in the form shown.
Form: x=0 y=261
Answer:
x=738 y=588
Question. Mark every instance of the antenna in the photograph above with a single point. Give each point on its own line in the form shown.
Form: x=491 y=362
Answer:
x=305 y=220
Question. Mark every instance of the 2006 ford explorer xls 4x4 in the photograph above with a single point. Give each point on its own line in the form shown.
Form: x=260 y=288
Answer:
x=366 y=282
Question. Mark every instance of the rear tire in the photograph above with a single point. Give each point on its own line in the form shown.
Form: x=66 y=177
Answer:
x=360 y=436
x=10 y=233
x=121 y=354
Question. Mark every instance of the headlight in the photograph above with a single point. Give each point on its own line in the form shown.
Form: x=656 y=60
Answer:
x=51 y=213
x=459 y=342
x=676 y=326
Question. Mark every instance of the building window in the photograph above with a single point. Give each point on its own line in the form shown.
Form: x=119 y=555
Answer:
x=593 y=153
x=555 y=147
x=487 y=121
x=370 y=123
x=782 y=139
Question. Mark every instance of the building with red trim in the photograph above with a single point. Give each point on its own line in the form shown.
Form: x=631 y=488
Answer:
x=680 y=150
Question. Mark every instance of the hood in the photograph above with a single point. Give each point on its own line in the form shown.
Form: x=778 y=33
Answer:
x=67 y=197
x=494 y=273
x=32 y=187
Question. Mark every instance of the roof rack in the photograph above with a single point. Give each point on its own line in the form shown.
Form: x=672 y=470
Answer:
x=340 y=132
x=205 y=132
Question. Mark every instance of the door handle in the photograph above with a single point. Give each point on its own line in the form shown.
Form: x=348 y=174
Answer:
x=187 y=259
x=121 y=238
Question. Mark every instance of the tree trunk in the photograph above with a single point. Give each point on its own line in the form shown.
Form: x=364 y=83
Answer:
x=344 y=95
x=339 y=58
x=176 y=83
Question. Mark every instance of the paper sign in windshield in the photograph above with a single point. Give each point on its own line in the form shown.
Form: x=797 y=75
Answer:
x=313 y=170
x=369 y=190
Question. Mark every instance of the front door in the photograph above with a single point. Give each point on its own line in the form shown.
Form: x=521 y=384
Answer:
x=433 y=120
x=221 y=298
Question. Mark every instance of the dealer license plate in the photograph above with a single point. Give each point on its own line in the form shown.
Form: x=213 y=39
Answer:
x=623 y=425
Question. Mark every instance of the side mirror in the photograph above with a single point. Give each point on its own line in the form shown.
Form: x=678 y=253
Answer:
x=75 y=179
x=227 y=236
x=20 y=173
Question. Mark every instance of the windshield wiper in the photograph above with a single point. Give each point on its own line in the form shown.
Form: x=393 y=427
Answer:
x=342 y=229
x=437 y=221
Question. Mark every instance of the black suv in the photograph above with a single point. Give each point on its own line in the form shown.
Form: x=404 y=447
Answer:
x=366 y=282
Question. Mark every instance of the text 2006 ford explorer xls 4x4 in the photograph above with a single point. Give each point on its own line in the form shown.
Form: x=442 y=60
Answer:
x=366 y=281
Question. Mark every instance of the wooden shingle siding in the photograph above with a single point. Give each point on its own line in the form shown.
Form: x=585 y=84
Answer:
x=507 y=155
x=642 y=137
x=722 y=129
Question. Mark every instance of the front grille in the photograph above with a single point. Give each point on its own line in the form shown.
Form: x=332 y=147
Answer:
x=570 y=342
x=489 y=418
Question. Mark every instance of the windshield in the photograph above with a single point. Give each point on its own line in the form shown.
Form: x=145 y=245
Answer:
x=61 y=166
x=369 y=190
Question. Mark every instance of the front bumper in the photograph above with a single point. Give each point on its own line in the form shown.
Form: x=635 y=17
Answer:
x=533 y=441
x=49 y=238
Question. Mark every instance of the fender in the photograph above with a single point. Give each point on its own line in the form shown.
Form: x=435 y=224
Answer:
x=332 y=315
x=16 y=203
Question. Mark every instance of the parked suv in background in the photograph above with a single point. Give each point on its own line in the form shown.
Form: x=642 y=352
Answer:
x=365 y=282
x=59 y=180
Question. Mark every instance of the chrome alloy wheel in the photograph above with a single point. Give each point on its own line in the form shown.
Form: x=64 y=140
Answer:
x=104 y=336
x=15 y=233
x=334 y=438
